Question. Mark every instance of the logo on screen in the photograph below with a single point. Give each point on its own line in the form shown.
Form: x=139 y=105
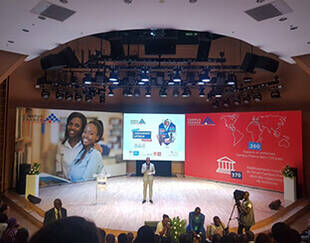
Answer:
x=208 y=122
x=52 y=118
x=141 y=122
x=135 y=153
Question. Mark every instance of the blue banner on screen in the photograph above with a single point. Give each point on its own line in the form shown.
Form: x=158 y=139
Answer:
x=158 y=136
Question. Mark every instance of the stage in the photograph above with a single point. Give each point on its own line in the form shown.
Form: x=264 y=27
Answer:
x=120 y=206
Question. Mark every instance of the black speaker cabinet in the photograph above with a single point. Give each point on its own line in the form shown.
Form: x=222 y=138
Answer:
x=203 y=49
x=21 y=180
x=33 y=199
x=53 y=61
x=70 y=58
x=252 y=61
x=117 y=50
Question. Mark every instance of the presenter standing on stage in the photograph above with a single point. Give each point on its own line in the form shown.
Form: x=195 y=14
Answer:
x=148 y=171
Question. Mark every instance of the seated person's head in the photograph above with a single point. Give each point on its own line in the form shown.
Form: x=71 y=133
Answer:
x=103 y=235
x=130 y=237
x=197 y=211
x=145 y=234
x=280 y=232
x=4 y=208
x=3 y=218
x=216 y=238
x=250 y=235
x=110 y=238
x=166 y=219
x=122 y=238
x=263 y=238
x=216 y=220
x=57 y=203
x=22 y=235
x=70 y=229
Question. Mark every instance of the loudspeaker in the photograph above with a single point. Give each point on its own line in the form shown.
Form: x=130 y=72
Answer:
x=33 y=199
x=21 y=181
x=117 y=50
x=65 y=58
x=275 y=205
x=70 y=58
x=53 y=61
x=160 y=47
x=252 y=61
x=203 y=50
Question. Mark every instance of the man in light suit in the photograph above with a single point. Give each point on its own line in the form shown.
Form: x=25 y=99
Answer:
x=148 y=170
x=55 y=213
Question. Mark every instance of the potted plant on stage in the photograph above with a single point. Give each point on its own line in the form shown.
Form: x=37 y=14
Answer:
x=289 y=181
x=32 y=181
x=178 y=227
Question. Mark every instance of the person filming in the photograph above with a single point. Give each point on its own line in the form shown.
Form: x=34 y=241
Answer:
x=246 y=214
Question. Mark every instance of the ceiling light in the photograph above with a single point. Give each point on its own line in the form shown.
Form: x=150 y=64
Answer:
x=113 y=75
x=129 y=92
x=145 y=77
x=88 y=98
x=275 y=94
x=175 y=92
x=68 y=96
x=237 y=100
x=87 y=79
x=176 y=77
x=59 y=95
x=45 y=94
x=231 y=80
x=226 y=103
x=78 y=97
x=110 y=94
x=186 y=92
x=148 y=93
x=246 y=99
x=40 y=82
x=247 y=79
x=136 y=92
x=163 y=92
x=204 y=76
x=257 y=97
x=201 y=92
x=102 y=99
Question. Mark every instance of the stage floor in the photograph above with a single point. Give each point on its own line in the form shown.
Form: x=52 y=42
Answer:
x=120 y=206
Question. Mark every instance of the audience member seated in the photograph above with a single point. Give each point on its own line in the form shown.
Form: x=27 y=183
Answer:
x=110 y=238
x=70 y=229
x=9 y=234
x=145 y=234
x=103 y=234
x=216 y=238
x=305 y=235
x=22 y=236
x=217 y=227
x=263 y=238
x=130 y=237
x=55 y=213
x=230 y=238
x=163 y=227
x=280 y=232
x=250 y=236
x=3 y=223
x=122 y=238
x=5 y=209
x=196 y=221
x=186 y=238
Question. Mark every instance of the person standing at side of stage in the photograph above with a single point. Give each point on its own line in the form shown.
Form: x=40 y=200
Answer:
x=148 y=171
x=55 y=213
x=246 y=211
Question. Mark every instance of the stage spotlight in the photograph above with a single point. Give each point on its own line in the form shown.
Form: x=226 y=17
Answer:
x=145 y=77
x=148 y=93
x=218 y=93
x=215 y=104
x=136 y=92
x=202 y=92
x=125 y=92
x=68 y=96
x=100 y=77
x=246 y=99
x=129 y=92
x=231 y=80
x=78 y=97
x=88 y=79
x=226 y=103
x=88 y=98
x=176 y=77
x=237 y=100
x=141 y=82
x=204 y=76
x=110 y=92
x=60 y=95
x=175 y=92
x=275 y=93
x=247 y=79
x=45 y=94
x=171 y=82
x=163 y=92
x=257 y=97
x=40 y=82
x=113 y=76
x=102 y=99
x=74 y=82
x=186 y=92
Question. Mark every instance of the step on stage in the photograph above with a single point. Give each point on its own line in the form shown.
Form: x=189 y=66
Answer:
x=120 y=206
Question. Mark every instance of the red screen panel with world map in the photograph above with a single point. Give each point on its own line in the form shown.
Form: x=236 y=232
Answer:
x=249 y=148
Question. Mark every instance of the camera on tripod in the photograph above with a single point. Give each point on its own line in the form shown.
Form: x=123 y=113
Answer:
x=238 y=195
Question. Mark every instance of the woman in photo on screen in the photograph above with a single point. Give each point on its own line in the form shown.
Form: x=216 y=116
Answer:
x=89 y=161
x=68 y=149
